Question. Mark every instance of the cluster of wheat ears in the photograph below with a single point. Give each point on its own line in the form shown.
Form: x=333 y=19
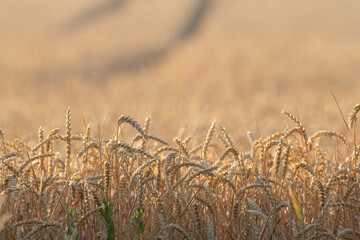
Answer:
x=287 y=186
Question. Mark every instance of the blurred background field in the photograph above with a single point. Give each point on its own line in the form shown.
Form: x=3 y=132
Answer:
x=185 y=63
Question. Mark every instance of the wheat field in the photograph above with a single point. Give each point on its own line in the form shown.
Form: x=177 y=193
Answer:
x=179 y=120
x=289 y=185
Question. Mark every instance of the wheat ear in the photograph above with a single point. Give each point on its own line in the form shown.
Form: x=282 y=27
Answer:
x=68 y=143
x=132 y=122
x=352 y=116
x=207 y=140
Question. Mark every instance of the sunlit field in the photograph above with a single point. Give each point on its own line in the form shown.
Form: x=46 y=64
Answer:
x=190 y=120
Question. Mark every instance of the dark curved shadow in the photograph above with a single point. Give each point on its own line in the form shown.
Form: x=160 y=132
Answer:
x=195 y=19
x=137 y=61
x=141 y=60
x=94 y=13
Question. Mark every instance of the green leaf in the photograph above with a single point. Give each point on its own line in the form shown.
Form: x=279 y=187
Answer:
x=107 y=213
x=140 y=227
x=68 y=231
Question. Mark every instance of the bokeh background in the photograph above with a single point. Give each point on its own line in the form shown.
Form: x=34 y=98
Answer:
x=186 y=63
